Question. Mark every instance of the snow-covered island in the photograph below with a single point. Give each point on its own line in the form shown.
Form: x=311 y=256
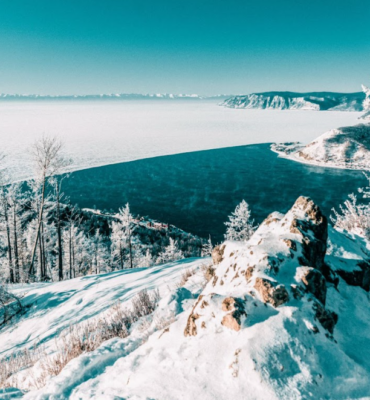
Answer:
x=346 y=147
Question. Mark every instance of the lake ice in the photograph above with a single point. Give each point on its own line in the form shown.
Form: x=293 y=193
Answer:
x=97 y=133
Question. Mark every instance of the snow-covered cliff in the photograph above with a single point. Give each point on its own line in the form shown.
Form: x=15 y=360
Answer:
x=276 y=320
x=299 y=101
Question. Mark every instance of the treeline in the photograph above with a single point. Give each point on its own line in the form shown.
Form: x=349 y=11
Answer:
x=43 y=237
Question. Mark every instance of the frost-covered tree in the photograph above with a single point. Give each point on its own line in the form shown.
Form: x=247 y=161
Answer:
x=118 y=243
x=48 y=161
x=207 y=248
x=354 y=215
x=240 y=225
x=100 y=254
x=170 y=253
x=127 y=224
x=144 y=260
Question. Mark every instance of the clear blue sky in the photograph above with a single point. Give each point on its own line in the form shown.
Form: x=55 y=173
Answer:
x=175 y=46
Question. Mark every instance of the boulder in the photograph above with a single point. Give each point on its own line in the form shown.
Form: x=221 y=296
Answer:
x=235 y=310
x=271 y=292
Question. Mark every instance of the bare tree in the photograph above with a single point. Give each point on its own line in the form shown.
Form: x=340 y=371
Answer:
x=48 y=161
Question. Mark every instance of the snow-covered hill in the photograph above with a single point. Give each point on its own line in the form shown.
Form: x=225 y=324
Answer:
x=299 y=101
x=347 y=147
x=283 y=316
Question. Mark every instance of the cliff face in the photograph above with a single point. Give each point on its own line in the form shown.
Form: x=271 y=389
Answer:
x=299 y=101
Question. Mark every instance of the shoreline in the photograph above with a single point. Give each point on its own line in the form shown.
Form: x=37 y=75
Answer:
x=293 y=157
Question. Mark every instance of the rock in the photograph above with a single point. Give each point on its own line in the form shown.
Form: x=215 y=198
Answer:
x=191 y=327
x=315 y=283
x=209 y=273
x=271 y=292
x=358 y=277
x=235 y=309
x=291 y=244
x=327 y=319
x=218 y=254
x=314 y=232
x=230 y=322
x=249 y=273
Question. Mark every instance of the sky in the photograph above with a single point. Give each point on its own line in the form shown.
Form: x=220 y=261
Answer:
x=175 y=46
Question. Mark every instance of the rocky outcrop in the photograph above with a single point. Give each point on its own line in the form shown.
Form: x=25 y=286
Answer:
x=314 y=231
x=270 y=292
x=283 y=261
x=359 y=276
x=235 y=310
x=327 y=319
x=315 y=283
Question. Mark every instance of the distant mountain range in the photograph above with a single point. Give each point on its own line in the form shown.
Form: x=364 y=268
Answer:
x=319 y=101
x=118 y=96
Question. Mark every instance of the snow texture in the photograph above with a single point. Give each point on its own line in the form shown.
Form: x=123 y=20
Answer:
x=347 y=147
x=231 y=339
x=105 y=132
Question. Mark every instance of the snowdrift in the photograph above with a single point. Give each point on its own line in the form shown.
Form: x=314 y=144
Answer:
x=283 y=316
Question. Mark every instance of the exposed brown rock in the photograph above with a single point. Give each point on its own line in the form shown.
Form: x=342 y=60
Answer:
x=271 y=218
x=315 y=283
x=209 y=273
x=291 y=244
x=249 y=273
x=270 y=292
x=230 y=322
x=191 y=327
x=235 y=309
x=218 y=254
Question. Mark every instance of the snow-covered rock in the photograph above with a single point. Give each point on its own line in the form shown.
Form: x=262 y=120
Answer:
x=299 y=101
x=347 y=147
x=275 y=321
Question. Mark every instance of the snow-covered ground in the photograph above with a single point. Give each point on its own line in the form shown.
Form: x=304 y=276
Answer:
x=99 y=133
x=346 y=148
x=55 y=306
x=275 y=321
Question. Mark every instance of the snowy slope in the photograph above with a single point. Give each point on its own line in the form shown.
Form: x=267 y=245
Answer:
x=298 y=101
x=54 y=306
x=276 y=320
x=347 y=147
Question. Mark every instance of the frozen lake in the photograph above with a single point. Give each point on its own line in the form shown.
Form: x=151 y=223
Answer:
x=98 y=133
x=197 y=191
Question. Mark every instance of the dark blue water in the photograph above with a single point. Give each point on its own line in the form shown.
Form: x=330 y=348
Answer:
x=197 y=191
